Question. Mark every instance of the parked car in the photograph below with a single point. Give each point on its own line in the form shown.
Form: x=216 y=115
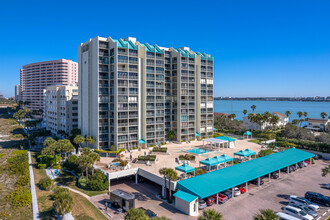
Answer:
x=274 y=176
x=307 y=161
x=209 y=201
x=228 y=193
x=292 y=168
x=201 y=204
x=284 y=216
x=296 y=212
x=255 y=181
x=242 y=189
x=222 y=198
x=237 y=192
x=300 y=201
x=318 y=198
x=309 y=211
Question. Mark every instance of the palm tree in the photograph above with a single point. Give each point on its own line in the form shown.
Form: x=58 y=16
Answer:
x=63 y=203
x=266 y=214
x=49 y=141
x=95 y=157
x=300 y=114
x=211 y=214
x=326 y=171
x=287 y=113
x=274 y=120
x=136 y=214
x=171 y=175
x=323 y=115
x=79 y=140
x=171 y=135
x=90 y=140
x=231 y=116
x=245 y=112
x=66 y=146
x=305 y=114
x=85 y=161
x=253 y=107
x=48 y=151
x=162 y=171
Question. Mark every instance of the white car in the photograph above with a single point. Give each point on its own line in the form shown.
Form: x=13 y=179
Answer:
x=237 y=192
x=309 y=211
x=284 y=216
x=303 y=202
x=296 y=212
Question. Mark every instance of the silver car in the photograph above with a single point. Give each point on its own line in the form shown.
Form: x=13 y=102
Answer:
x=306 y=209
x=303 y=202
x=201 y=204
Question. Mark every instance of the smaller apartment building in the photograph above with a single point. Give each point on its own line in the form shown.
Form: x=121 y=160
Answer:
x=61 y=108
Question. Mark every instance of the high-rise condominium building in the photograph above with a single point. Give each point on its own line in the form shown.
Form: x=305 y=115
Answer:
x=60 y=109
x=17 y=92
x=132 y=93
x=35 y=77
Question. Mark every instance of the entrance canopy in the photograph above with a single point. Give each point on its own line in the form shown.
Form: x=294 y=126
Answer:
x=247 y=133
x=185 y=168
x=217 y=181
x=141 y=141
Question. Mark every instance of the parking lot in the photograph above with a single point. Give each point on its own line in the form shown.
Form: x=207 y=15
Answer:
x=275 y=194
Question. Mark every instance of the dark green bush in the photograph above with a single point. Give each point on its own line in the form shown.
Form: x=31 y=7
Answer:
x=45 y=183
x=42 y=165
x=265 y=152
x=98 y=181
x=187 y=157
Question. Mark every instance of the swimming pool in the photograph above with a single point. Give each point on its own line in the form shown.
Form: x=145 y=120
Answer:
x=115 y=164
x=225 y=138
x=198 y=151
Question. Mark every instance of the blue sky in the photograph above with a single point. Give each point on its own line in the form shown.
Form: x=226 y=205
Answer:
x=261 y=48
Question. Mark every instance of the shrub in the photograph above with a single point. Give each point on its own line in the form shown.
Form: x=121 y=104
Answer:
x=45 y=183
x=18 y=164
x=187 y=157
x=19 y=152
x=266 y=152
x=98 y=181
x=82 y=182
x=159 y=149
x=18 y=136
x=57 y=166
x=42 y=165
x=123 y=163
x=20 y=197
x=71 y=164
x=199 y=171
x=256 y=141
x=23 y=180
x=147 y=158
x=1 y=155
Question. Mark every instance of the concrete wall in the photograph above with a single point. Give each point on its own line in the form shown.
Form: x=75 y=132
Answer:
x=186 y=207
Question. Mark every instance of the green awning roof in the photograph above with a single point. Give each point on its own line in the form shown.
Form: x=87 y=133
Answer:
x=245 y=153
x=247 y=133
x=141 y=141
x=185 y=168
x=225 y=138
x=185 y=196
x=217 y=181
x=224 y=158
x=197 y=134
x=209 y=162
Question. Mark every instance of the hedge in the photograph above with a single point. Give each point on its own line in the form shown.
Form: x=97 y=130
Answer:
x=308 y=145
x=147 y=158
x=187 y=157
x=109 y=151
x=157 y=149
x=45 y=183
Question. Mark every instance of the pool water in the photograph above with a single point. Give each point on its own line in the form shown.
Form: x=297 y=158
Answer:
x=225 y=138
x=198 y=151
x=115 y=164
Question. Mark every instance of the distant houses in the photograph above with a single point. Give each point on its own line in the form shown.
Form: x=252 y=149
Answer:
x=283 y=120
x=317 y=124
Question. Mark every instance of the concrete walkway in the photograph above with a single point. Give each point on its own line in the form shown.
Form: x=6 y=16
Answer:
x=35 y=208
x=74 y=190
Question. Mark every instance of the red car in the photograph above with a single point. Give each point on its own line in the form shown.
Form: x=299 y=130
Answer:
x=209 y=201
x=307 y=161
x=242 y=189
x=222 y=198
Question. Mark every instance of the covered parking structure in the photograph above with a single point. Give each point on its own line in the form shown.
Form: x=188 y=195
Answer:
x=211 y=183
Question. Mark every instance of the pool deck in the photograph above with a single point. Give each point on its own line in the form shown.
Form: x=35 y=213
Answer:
x=169 y=161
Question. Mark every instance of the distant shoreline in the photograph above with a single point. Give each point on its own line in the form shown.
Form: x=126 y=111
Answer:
x=274 y=99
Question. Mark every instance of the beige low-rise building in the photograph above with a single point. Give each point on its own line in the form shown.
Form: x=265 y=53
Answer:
x=317 y=124
x=61 y=109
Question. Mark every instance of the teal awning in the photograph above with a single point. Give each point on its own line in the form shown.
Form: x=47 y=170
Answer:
x=247 y=133
x=209 y=162
x=141 y=141
x=214 y=129
x=185 y=196
x=185 y=168
x=223 y=158
x=197 y=134
x=245 y=153
x=217 y=181
x=225 y=138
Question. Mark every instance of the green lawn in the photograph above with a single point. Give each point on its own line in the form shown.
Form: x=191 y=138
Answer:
x=67 y=179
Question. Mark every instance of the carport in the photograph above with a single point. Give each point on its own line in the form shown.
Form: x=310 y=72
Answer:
x=211 y=183
x=245 y=153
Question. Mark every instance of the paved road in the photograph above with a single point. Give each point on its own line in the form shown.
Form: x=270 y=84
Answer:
x=35 y=208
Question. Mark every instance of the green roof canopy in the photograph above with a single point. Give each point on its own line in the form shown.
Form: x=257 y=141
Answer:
x=185 y=196
x=245 y=153
x=185 y=168
x=220 y=180
x=247 y=133
x=141 y=141
x=209 y=162
x=197 y=134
